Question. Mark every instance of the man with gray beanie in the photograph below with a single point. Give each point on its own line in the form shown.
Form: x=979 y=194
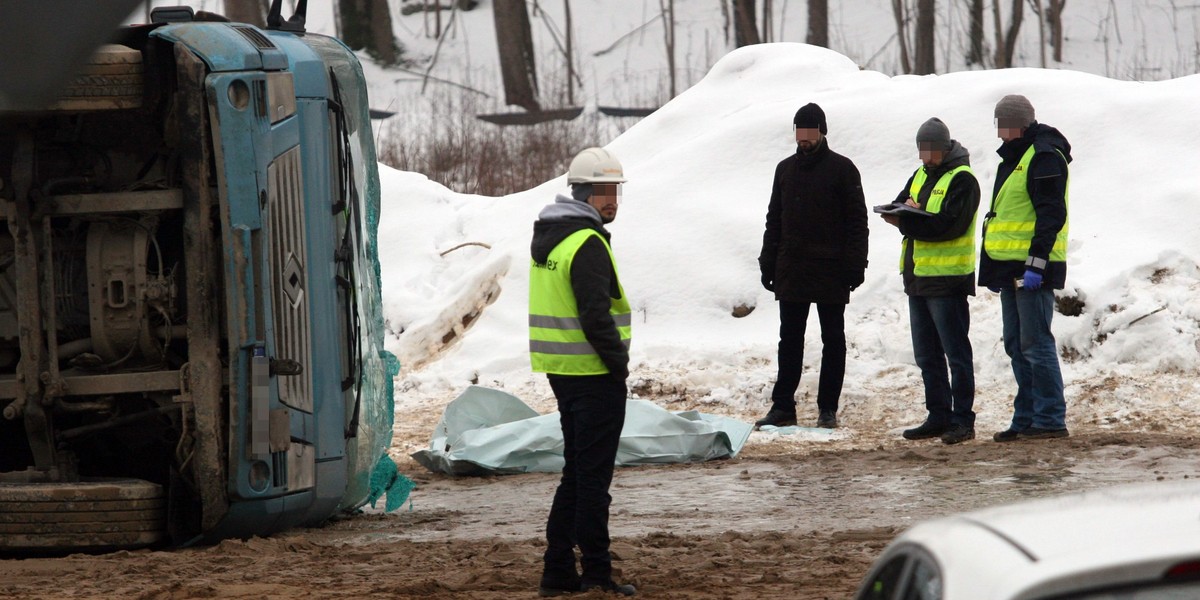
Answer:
x=937 y=261
x=1024 y=259
x=814 y=252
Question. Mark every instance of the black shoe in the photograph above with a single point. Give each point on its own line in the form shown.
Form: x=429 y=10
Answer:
x=1037 y=433
x=925 y=431
x=958 y=433
x=1008 y=435
x=776 y=417
x=621 y=589
x=552 y=588
x=552 y=591
x=827 y=419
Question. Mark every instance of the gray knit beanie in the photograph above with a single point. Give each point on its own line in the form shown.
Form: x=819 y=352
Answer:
x=935 y=134
x=1015 y=108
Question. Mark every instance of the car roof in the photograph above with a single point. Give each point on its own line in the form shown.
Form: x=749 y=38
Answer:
x=1054 y=545
x=1137 y=519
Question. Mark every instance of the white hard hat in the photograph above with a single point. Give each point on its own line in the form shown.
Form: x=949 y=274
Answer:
x=595 y=165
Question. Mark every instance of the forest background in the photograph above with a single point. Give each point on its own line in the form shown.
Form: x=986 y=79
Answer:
x=568 y=69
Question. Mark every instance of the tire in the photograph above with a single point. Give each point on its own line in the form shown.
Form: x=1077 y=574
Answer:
x=112 y=79
x=101 y=514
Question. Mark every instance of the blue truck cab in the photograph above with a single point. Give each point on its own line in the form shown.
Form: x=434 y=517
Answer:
x=190 y=325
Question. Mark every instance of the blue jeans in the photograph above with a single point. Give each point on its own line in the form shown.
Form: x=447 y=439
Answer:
x=1030 y=344
x=939 y=333
x=592 y=414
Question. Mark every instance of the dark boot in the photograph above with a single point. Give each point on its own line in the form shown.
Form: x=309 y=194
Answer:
x=827 y=419
x=611 y=587
x=957 y=434
x=549 y=588
x=1037 y=433
x=925 y=431
x=777 y=418
x=1008 y=435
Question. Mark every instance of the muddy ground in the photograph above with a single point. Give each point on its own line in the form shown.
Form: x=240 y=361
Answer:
x=786 y=519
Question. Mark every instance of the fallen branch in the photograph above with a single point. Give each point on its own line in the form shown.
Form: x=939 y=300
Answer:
x=1160 y=309
x=463 y=245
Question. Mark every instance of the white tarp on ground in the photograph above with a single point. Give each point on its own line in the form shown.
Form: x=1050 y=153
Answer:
x=487 y=431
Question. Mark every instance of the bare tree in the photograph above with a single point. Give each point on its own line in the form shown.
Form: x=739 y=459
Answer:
x=514 y=38
x=818 y=23
x=1041 y=14
x=768 y=22
x=744 y=26
x=926 y=62
x=367 y=25
x=900 y=11
x=570 y=52
x=668 y=12
x=975 y=33
x=1056 y=27
x=253 y=12
x=1006 y=42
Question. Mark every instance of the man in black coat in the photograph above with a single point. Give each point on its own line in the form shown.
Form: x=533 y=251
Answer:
x=814 y=252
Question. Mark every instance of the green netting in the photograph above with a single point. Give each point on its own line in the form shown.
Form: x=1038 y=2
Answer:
x=372 y=472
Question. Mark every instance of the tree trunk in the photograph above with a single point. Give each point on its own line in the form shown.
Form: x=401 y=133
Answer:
x=253 y=12
x=668 y=12
x=514 y=37
x=1056 y=28
x=766 y=33
x=744 y=26
x=1043 y=22
x=899 y=10
x=818 y=23
x=975 y=52
x=926 y=61
x=1014 y=27
x=367 y=25
x=1000 y=54
x=570 y=52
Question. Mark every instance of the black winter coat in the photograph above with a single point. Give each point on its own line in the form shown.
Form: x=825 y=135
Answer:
x=815 y=243
x=1047 y=187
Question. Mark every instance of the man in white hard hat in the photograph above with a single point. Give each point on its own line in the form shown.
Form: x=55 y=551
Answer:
x=579 y=334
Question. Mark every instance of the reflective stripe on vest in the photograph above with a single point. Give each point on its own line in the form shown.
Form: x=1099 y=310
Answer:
x=556 y=340
x=949 y=257
x=1007 y=235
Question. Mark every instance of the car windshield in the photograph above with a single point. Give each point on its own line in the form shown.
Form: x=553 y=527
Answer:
x=1187 y=590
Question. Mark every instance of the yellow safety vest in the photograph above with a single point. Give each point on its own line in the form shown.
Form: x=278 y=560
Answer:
x=949 y=257
x=556 y=341
x=1007 y=235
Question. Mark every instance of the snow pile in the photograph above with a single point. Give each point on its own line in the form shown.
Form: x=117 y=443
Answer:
x=690 y=230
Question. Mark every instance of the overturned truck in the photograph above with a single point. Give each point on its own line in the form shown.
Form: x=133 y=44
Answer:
x=190 y=327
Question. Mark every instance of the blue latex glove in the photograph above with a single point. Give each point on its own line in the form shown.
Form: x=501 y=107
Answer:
x=1033 y=280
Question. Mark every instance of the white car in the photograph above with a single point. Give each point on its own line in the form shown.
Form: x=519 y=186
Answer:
x=1135 y=542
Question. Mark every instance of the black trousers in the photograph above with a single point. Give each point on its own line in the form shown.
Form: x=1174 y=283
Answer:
x=592 y=411
x=793 y=320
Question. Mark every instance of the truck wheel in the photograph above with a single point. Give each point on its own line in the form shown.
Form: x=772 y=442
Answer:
x=99 y=514
x=111 y=79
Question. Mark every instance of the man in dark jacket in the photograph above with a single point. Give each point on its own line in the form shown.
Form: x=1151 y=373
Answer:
x=814 y=252
x=579 y=335
x=937 y=260
x=1024 y=259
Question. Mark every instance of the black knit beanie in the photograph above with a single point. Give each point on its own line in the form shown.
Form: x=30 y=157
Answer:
x=810 y=116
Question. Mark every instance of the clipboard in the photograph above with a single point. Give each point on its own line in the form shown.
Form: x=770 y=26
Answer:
x=901 y=209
